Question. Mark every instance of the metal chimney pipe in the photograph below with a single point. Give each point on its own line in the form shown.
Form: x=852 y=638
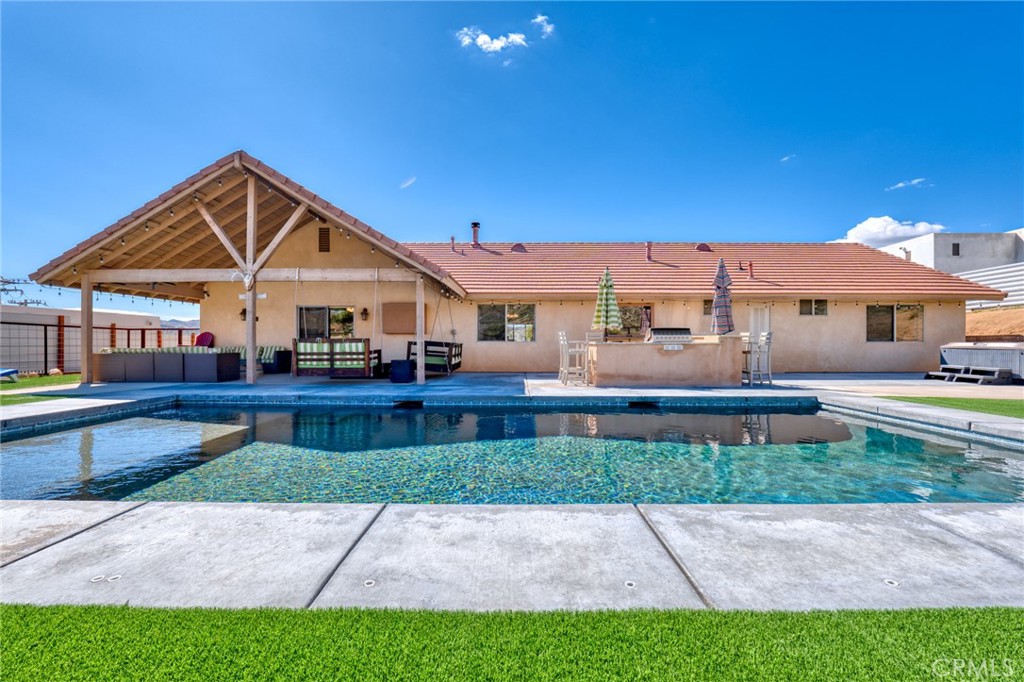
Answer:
x=476 y=233
x=453 y=242
x=750 y=270
x=649 y=258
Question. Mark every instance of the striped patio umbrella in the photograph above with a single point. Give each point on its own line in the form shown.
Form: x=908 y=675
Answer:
x=606 y=316
x=721 y=306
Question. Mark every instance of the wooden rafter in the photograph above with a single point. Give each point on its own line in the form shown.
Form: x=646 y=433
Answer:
x=220 y=234
x=266 y=275
x=292 y=221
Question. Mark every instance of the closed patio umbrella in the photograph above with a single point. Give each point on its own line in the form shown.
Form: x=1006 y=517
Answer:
x=721 y=306
x=606 y=316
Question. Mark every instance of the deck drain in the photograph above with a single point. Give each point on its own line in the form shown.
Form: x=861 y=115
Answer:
x=630 y=584
x=892 y=583
x=97 y=578
x=113 y=578
x=369 y=583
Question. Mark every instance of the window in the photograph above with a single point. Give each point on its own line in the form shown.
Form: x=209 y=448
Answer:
x=325 y=240
x=817 y=306
x=895 y=323
x=956 y=248
x=636 y=319
x=707 y=305
x=512 y=322
x=326 y=322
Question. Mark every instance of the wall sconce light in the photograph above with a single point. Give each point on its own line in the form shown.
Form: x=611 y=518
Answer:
x=364 y=314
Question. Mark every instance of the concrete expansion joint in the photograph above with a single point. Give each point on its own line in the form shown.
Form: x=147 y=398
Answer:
x=973 y=541
x=705 y=599
x=337 y=566
x=71 y=535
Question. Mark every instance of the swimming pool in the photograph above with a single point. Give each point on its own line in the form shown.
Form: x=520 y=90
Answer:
x=504 y=456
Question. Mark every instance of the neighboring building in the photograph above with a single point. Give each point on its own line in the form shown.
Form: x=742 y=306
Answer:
x=956 y=252
x=994 y=259
x=73 y=316
x=317 y=271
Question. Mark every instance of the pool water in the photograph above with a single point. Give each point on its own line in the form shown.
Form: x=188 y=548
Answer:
x=508 y=456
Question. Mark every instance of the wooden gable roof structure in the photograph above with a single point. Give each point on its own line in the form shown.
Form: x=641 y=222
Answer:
x=222 y=225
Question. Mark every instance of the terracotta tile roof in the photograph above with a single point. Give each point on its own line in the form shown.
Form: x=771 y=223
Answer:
x=781 y=270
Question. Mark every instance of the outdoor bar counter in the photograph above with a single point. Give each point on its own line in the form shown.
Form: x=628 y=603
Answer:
x=705 y=361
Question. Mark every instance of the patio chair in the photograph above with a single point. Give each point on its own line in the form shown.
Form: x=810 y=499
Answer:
x=9 y=374
x=572 y=361
x=204 y=339
x=757 y=360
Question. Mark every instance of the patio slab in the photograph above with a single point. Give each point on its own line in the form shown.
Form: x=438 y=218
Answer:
x=485 y=558
x=803 y=557
x=30 y=525
x=997 y=527
x=183 y=554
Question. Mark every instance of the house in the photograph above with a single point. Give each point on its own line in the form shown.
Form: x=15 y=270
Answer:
x=268 y=261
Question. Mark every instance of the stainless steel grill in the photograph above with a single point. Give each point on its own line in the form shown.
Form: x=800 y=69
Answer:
x=668 y=335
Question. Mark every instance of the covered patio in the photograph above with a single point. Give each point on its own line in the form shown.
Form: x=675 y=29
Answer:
x=220 y=230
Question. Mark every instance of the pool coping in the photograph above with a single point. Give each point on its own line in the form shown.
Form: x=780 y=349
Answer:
x=1006 y=432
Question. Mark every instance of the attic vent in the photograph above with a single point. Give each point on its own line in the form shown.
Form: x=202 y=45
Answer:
x=325 y=240
x=702 y=247
x=518 y=248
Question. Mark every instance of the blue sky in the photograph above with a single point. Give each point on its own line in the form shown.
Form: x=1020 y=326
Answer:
x=661 y=121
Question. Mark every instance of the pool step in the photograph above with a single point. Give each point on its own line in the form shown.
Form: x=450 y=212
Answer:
x=974 y=375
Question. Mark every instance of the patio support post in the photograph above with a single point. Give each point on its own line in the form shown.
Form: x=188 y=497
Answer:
x=86 y=328
x=421 y=365
x=250 y=293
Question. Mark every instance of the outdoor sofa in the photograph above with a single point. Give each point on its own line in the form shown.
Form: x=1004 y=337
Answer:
x=335 y=358
x=181 y=363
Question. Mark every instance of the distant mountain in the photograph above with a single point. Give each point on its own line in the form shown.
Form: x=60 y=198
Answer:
x=179 y=324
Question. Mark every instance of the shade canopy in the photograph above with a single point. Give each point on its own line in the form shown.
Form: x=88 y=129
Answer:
x=721 y=305
x=606 y=315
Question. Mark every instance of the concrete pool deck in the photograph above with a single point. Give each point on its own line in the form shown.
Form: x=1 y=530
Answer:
x=761 y=557
x=483 y=558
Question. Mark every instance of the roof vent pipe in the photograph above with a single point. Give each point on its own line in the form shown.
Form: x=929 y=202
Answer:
x=649 y=251
x=476 y=233
x=750 y=269
x=453 y=242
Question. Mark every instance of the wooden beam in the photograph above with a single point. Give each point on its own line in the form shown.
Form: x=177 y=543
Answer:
x=266 y=275
x=220 y=234
x=203 y=258
x=180 y=228
x=421 y=364
x=293 y=220
x=252 y=360
x=250 y=223
x=86 y=330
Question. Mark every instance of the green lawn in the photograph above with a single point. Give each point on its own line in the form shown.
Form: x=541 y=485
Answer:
x=124 y=643
x=1005 y=407
x=20 y=399
x=38 y=382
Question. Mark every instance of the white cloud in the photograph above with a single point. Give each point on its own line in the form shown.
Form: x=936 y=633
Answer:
x=886 y=230
x=471 y=35
x=787 y=157
x=916 y=182
x=507 y=62
x=407 y=182
x=545 y=26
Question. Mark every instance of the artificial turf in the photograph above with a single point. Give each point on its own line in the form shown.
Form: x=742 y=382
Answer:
x=40 y=381
x=127 y=643
x=1004 y=407
x=20 y=399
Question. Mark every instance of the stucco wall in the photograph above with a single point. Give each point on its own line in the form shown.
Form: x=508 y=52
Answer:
x=832 y=343
x=977 y=250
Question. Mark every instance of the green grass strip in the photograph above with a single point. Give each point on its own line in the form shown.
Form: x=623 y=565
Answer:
x=19 y=399
x=38 y=382
x=125 y=643
x=1004 y=407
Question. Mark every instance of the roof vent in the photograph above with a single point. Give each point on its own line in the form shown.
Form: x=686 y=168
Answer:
x=702 y=247
x=476 y=233
x=649 y=257
x=453 y=242
x=518 y=248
